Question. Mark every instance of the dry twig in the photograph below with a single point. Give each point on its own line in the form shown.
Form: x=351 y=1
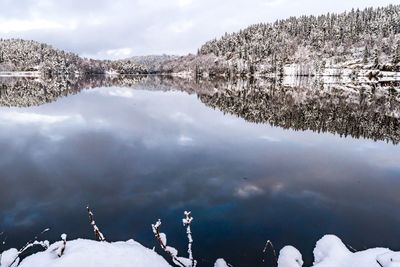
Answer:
x=163 y=245
x=61 y=249
x=98 y=234
x=269 y=244
x=187 y=221
x=44 y=244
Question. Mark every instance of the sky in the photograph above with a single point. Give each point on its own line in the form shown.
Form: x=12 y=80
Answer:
x=114 y=29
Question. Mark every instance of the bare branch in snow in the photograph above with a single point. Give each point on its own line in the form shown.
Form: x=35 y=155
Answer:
x=32 y=243
x=162 y=240
x=269 y=244
x=3 y=242
x=187 y=221
x=98 y=234
x=61 y=249
x=351 y=248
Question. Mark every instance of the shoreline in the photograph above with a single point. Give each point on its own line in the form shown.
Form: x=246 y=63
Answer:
x=382 y=75
x=20 y=74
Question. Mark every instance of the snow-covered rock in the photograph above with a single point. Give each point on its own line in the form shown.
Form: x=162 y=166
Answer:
x=330 y=251
x=220 y=263
x=290 y=257
x=9 y=258
x=389 y=259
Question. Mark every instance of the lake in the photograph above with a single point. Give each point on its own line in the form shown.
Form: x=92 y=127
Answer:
x=254 y=160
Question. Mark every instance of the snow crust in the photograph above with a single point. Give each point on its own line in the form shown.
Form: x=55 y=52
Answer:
x=329 y=251
x=88 y=253
x=220 y=263
x=290 y=257
x=9 y=258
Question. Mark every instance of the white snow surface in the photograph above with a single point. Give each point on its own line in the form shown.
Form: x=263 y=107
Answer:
x=88 y=253
x=290 y=257
x=220 y=263
x=330 y=251
x=9 y=258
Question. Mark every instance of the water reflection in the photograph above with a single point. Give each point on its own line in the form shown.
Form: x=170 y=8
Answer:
x=149 y=151
x=366 y=111
x=369 y=110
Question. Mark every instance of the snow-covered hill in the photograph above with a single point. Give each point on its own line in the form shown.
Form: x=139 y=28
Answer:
x=152 y=63
x=27 y=55
x=351 y=43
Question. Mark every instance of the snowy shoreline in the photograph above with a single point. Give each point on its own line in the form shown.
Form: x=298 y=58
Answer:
x=20 y=74
x=289 y=72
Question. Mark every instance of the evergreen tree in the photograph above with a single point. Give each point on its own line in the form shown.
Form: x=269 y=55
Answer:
x=396 y=56
x=365 y=55
x=376 y=57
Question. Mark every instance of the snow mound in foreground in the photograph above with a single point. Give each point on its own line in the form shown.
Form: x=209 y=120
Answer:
x=290 y=257
x=88 y=253
x=330 y=251
x=220 y=263
x=9 y=258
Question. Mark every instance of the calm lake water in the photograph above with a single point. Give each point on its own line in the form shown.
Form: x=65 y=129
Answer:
x=252 y=160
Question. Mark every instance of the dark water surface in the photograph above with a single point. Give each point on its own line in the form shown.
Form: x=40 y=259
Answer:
x=141 y=153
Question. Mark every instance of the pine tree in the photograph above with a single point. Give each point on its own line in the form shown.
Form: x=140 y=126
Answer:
x=376 y=58
x=396 y=56
x=365 y=55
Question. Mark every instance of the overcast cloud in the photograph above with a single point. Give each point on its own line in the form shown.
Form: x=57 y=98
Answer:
x=122 y=28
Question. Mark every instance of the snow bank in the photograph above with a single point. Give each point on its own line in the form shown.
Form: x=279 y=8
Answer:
x=9 y=258
x=290 y=257
x=331 y=252
x=88 y=253
x=220 y=263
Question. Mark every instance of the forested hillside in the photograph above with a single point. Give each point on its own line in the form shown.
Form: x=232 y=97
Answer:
x=356 y=43
x=331 y=44
x=152 y=62
x=26 y=55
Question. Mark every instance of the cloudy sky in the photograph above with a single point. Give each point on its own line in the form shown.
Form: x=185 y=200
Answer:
x=122 y=28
